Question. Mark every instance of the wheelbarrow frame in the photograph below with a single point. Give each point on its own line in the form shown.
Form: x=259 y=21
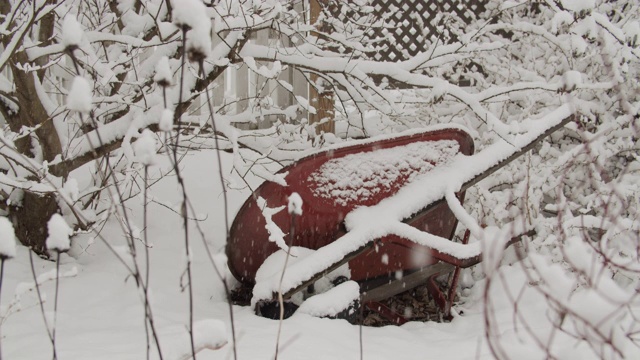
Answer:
x=447 y=262
x=322 y=221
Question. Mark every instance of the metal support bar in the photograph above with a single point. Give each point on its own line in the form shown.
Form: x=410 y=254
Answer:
x=454 y=282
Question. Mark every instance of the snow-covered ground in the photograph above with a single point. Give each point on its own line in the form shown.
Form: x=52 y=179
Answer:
x=100 y=313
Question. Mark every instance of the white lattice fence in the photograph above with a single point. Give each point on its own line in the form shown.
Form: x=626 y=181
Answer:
x=241 y=90
x=410 y=26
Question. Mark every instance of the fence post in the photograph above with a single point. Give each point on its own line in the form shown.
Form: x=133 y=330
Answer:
x=323 y=102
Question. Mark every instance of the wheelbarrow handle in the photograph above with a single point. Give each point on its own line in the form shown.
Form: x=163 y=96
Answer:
x=457 y=262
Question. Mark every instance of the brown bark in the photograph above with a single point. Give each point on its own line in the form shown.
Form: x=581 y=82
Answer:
x=45 y=35
x=32 y=113
x=31 y=218
x=322 y=101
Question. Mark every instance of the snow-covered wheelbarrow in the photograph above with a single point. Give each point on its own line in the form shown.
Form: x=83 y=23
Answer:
x=387 y=208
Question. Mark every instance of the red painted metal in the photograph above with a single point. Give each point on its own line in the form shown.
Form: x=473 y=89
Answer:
x=439 y=298
x=322 y=220
x=454 y=282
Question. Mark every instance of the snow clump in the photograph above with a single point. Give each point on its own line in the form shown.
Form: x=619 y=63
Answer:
x=164 y=76
x=71 y=32
x=166 y=120
x=7 y=239
x=276 y=234
x=59 y=232
x=80 y=95
x=193 y=15
x=210 y=334
x=71 y=189
x=332 y=302
x=295 y=204
x=572 y=79
x=632 y=32
x=273 y=266
x=145 y=148
x=578 y=5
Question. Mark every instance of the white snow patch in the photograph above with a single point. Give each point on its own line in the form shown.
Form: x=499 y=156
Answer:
x=332 y=302
x=166 y=120
x=163 y=76
x=71 y=32
x=493 y=241
x=7 y=239
x=559 y=19
x=208 y=334
x=193 y=14
x=145 y=148
x=71 y=189
x=271 y=270
x=295 y=204
x=80 y=96
x=276 y=234
x=572 y=79
x=460 y=213
x=272 y=73
x=363 y=175
x=59 y=232
x=24 y=287
x=632 y=32
x=578 y=5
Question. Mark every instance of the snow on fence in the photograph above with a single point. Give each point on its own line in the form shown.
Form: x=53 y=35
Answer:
x=412 y=25
x=241 y=89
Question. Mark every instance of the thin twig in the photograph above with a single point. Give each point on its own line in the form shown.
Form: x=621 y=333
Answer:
x=183 y=208
x=41 y=303
x=146 y=252
x=55 y=299
x=284 y=268
x=226 y=215
x=2 y=259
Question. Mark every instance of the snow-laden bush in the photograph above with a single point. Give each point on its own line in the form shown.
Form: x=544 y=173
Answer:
x=580 y=187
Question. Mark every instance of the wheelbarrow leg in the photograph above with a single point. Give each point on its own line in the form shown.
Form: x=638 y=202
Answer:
x=454 y=283
x=438 y=297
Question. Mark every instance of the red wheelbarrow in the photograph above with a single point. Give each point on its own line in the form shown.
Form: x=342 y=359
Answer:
x=377 y=205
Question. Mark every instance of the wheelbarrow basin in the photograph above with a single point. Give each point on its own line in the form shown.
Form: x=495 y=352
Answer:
x=331 y=184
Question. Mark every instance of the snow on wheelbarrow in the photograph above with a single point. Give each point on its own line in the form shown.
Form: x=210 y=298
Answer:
x=387 y=208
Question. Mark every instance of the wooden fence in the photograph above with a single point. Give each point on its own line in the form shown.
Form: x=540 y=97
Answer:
x=411 y=26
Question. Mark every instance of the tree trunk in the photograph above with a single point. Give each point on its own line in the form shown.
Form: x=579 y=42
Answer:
x=322 y=101
x=31 y=218
x=33 y=114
